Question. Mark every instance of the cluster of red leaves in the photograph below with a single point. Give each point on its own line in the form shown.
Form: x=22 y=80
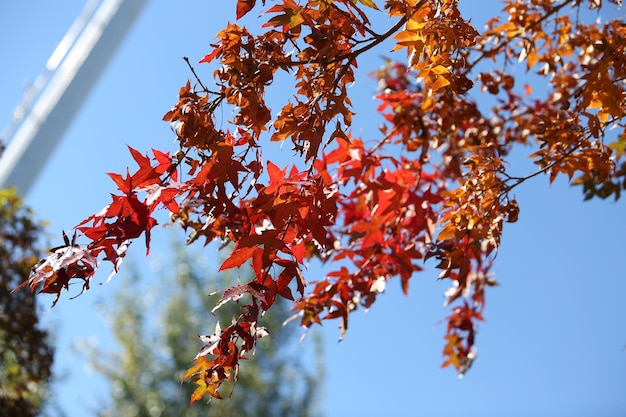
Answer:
x=111 y=231
x=367 y=213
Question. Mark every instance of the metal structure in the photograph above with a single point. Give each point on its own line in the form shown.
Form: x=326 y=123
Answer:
x=50 y=105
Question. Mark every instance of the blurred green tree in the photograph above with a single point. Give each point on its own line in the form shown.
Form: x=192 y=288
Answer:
x=154 y=331
x=25 y=352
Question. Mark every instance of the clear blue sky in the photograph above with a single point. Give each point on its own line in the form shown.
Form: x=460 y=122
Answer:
x=555 y=336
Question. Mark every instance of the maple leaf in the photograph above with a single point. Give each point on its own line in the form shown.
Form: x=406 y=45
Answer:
x=368 y=3
x=235 y=293
x=123 y=184
x=277 y=178
x=243 y=7
x=146 y=174
x=217 y=51
x=291 y=19
x=238 y=257
x=210 y=341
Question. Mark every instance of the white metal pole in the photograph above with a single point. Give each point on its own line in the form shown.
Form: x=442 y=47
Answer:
x=73 y=75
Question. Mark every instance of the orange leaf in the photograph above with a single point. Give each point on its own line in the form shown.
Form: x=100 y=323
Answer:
x=441 y=82
x=243 y=7
x=447 y=233
x=198 y=392
x=369 y=3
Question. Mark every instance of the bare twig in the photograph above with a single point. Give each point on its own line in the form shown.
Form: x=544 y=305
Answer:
x=193 y=71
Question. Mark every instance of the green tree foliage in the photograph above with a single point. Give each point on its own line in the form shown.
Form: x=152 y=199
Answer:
x=155 y=332
x=25 y=353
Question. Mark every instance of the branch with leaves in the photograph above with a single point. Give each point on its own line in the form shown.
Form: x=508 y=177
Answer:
x=435 y=184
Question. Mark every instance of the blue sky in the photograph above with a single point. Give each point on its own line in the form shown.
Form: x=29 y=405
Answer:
x=555 y=336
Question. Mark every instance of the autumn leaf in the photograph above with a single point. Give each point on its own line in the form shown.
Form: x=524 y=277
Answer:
x=243 y=7
x=217 y=51
x=236 y=292
x=210 y=342
x=289 y=19
x=369 y=3
x=238 y=257
x=277 y=178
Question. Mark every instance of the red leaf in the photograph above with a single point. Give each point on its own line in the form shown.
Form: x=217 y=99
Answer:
x=146 y=175
x=238 y=257
x=244 y=6
x=372 y=232
x=164 y=164
x=123 y=184
x=298 y=251
x=277 y=177
x=209 y=57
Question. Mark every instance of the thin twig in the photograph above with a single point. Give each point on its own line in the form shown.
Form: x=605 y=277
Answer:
x=193 y=71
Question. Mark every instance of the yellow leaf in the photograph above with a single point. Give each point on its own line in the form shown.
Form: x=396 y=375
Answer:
x=440 y=83
x=603 y=115
x=595 y=103
x=415 y=25
x=199 y=391
x=369 y=3
x=510 y=28
x=200 y=366
x=440 y=70
x=531 y=60
x=407 y=38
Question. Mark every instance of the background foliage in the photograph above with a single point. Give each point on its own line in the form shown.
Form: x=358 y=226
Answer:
x=26 y=354
x=156 y=330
